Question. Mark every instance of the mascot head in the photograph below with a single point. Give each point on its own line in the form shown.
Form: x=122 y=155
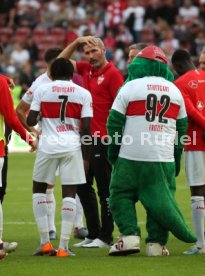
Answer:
x=150 y=62
x=154 y=53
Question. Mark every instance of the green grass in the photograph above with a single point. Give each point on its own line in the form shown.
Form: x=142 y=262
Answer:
x=19 y=226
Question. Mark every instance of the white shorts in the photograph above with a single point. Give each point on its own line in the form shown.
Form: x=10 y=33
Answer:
x=195 y=167
x=1 y=167
x=71 y=169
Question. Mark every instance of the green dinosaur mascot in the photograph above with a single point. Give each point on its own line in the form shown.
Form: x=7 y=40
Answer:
x=145 y=117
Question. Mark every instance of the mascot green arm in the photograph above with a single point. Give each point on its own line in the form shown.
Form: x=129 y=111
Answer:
x=115 y=126
x=181 y=128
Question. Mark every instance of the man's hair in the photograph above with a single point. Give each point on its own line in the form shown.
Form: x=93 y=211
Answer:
x=139 y=46
x=202 y=51
x=100 y=43
x=61 y=69
x=51 y=54
x=181 y=56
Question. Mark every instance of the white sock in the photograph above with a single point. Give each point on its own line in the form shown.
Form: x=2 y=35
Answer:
x=40 y=214
x=68 y=216
x=198 y=213
x=51 y=207
x=78 y=222
x=1 y=223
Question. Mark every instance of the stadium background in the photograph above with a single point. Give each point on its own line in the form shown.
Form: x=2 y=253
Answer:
x=32 y=26
x=29 y=27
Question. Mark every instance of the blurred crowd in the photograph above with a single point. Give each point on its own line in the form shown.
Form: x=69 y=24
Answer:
x=29 y=27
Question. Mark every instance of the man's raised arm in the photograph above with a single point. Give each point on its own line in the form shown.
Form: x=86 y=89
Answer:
x=70 y=49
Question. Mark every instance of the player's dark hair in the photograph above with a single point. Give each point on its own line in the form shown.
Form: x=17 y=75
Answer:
x=51 y=54
x=61 y=69
x=181 y=56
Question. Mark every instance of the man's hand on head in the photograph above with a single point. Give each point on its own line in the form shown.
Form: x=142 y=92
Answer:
x=90 y=40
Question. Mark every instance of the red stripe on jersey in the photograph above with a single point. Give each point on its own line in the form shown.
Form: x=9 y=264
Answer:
x=138 y=108
x=53 y=109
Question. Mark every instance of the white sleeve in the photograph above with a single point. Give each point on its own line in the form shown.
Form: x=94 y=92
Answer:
x=28 y=96
x=87 y=108
x=120 y=103
x=36 y=102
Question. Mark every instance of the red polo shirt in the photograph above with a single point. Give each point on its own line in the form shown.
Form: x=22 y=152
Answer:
x=9 y=114
x=103 y=85
x=192 y=87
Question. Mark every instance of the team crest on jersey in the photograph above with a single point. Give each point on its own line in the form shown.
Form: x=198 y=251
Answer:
x=193 y=84
x=100 y=79
x=200 y=105
x=29 y=92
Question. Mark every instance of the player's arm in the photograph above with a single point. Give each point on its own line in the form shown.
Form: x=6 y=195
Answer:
x=192 y=111
x=7 y=110
x=21 y=112
x=70 y=49
x=10 y=81
x=32 y=118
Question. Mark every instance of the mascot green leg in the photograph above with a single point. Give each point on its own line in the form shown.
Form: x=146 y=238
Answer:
x=122 y=205
x=147 y=181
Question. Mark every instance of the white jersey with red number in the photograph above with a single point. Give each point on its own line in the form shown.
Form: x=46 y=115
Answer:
x=151 y=106
x=62 y=104
x=42 y=79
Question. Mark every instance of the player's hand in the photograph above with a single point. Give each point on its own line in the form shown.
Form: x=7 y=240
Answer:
x=86 y=166
x=36 y=133
x=11 y=84
x=34 y=146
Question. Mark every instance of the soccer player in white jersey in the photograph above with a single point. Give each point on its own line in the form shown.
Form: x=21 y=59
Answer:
x=21 y=110
x=142 y=129
x=62 y=105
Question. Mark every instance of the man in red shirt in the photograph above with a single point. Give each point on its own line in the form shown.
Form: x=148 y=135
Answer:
x=103 y=80
x=8 y=114
x=191 y=83
x=7 y=134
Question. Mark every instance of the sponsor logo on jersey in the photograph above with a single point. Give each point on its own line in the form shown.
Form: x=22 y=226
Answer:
x=42 y=202
x=29 y=92
x=68 y=209
x=100 y=79
x=200 y=105
x=193 y=84
x=200 y=208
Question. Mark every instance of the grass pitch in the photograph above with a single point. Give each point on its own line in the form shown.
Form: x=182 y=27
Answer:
x=19 y=226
